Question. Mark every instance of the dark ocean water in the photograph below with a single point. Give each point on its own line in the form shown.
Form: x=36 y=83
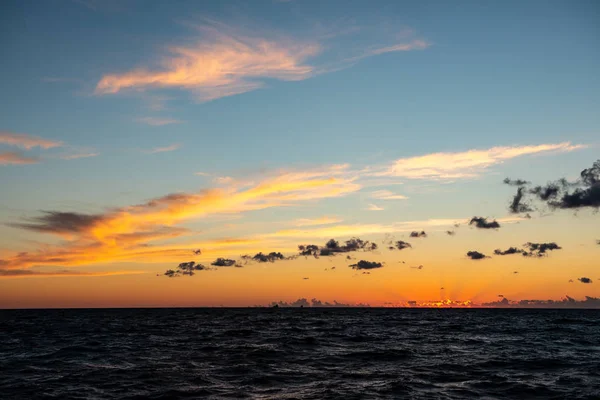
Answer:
x=300 y=354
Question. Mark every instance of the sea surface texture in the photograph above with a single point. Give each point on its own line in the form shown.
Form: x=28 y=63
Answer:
x=300 y=354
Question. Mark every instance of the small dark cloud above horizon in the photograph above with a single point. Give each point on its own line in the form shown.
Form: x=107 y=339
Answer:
x=483 y=223
x=475 y=255
x=417 y=234
x=363 y=264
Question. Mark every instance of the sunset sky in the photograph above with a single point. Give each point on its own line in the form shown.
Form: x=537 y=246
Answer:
x=133 y=133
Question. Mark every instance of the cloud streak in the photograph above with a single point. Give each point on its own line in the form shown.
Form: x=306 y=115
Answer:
x=225 y=62
x=165 y=149
x=27 y=142
x=130 y=233
x=15 y=158
x=156 y=121
x=467 y=164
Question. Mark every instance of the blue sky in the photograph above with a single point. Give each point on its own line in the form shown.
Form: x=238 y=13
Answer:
x=471 y=75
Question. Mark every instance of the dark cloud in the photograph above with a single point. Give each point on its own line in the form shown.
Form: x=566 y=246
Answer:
x=401 y=245
x=483 y=223
x=567 y=302
x=539 y=249
x=271 y=257
x=417 y=234
x=419 y=267
x=516 y=182
x=518 y=204
x=186 y=268
x=333 y=247
x=562 y=194
x=583 y=279
x=475 y=255
x=223 y=262
x=362 y=264
x=450 y=233
x=303 y=302
x=510 y=250
x=197 y=252
x=61 y=222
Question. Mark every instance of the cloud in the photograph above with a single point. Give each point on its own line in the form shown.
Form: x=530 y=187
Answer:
x=61 y=222
x=517 y=205
x=155 y=150
x=467 y=164
x=387 y=195
x=475 y=255
x=156 y=121
x=417 y=234
x=271 y=257
x=567 y=302
x=540 y=249
x=483 y=223
x=124 y=234
x=516 y=182
x=225 y=62
x=510 y=250
x=223 y=180
x=373 y=207
x=414 y=45
x=562 y=194
x=27 y=142
x=223 y=262
x=28 y=273
x=450 y=233
x=401 y=245
x=583 y=279
x=362 y=264
x=15 y=158
x=333 y=247
x=75 y=156
x=303 y=302
x=317 y=221
x=185 y=269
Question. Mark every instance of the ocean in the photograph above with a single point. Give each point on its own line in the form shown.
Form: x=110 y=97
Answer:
x=299 y=353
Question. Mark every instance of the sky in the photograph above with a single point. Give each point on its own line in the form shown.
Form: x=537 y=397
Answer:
x=139 y=135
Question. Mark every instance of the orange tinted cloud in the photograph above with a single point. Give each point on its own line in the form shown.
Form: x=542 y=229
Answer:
x=128 y=233
x=222 y=65
x=225 y=63
x=27 y=142
x=28 y=273
x=467 y=164
x=155 y=121
x=317 y=221
x=15 y=158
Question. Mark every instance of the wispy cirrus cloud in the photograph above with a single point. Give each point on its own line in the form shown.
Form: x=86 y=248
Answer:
x=466 y=164
x=16 y=158
x=27 y=142
x=134 y=232
x=29 y=273
x=158 y=121
x=77 y=155
x=375 y=207
x=225 y=62
x=317 y=221
x=164 y=149
x=387 y=195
